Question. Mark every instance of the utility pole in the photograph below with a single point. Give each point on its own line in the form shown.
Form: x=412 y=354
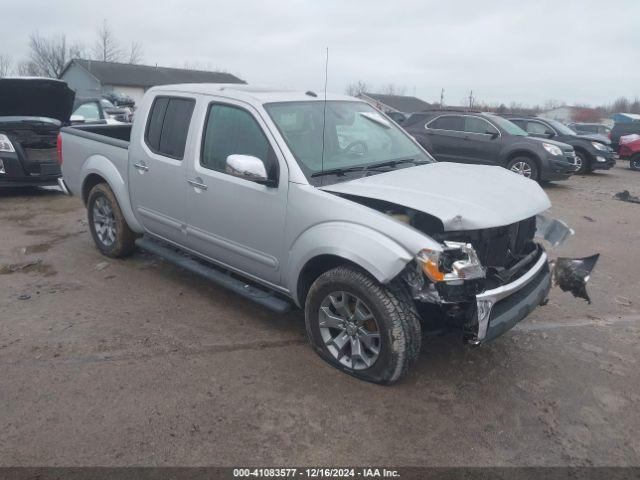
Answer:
x=471 y=100
x=442 y=98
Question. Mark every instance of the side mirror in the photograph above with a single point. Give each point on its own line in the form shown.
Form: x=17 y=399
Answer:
x=550 y=134
x=247 y=167
x=493 y=134
x=74 y=119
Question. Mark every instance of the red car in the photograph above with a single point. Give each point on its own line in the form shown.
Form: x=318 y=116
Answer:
x=629 y=148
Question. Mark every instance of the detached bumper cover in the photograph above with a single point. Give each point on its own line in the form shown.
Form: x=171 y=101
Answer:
x=500 y=309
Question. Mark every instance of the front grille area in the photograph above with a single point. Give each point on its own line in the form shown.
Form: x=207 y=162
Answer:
x=499 y=247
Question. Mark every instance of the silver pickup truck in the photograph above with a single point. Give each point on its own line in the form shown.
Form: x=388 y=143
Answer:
x=325 y=204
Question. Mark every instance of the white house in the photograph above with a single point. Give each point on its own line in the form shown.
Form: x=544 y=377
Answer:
x=91 y=78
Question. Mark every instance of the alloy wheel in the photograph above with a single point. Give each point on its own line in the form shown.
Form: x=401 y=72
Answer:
x=349 y=330
x=104 y=221
x=522 y=168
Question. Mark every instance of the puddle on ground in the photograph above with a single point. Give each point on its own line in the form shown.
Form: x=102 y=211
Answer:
x=38 y=248
x=35 y=266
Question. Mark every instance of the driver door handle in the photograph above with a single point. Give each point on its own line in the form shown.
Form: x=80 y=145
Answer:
x=196 y=184
x=141 y=166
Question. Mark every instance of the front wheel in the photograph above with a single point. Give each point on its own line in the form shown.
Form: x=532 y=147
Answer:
x=634 y=163
x=583 y=165
x=524 y=166
x=361 y=327
x=109 y=229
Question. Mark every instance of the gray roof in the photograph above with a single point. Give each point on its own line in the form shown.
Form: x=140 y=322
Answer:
x=401 y=103
x=125 y=74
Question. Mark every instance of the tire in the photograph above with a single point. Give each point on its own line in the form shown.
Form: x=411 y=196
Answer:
x=389 y=339
x=109 y=229
x=585 y=163
x=634 y=162
x=525 y=166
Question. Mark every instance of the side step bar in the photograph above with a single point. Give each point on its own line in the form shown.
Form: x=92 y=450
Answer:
x=219 y=277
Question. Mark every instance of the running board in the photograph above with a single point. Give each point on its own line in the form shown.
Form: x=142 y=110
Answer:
x=219 y=277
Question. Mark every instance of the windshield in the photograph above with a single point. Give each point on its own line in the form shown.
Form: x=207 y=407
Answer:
x=560 y=127
x=509 y=127
x=106 y=103
x=355 y=135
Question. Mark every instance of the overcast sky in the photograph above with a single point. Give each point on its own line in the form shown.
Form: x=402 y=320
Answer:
x=582 y=51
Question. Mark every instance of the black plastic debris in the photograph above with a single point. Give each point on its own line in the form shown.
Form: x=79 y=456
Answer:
x=572 y=274
x=625 y=196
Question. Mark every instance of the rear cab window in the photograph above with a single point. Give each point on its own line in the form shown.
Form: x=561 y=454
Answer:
x=168 y=126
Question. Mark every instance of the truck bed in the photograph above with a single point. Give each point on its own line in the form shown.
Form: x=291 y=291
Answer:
x=94 y=148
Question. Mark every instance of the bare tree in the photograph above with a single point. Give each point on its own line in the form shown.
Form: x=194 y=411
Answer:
x=355 y=89
x=106 y=48
x=48 y=55
x=135 y=53
x=5 y=65
x=392 y=89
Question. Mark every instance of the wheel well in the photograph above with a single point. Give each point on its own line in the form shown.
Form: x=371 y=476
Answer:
x=316 y=267
x=523 y=153
x=91 y=181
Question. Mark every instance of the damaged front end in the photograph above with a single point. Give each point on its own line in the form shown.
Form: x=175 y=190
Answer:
x=486 y=281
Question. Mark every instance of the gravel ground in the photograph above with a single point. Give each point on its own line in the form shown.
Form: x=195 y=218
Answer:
x=134 y=362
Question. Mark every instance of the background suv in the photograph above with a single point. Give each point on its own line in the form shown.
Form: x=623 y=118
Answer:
x=484 y=138
x=592 y=151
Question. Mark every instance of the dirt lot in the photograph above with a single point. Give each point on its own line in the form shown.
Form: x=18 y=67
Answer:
x=108 y=362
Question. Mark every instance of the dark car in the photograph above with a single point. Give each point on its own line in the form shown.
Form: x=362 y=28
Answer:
x=484 y=138
x=593 y=152
x=119 y=99
x=99 y=110
x=621 y=129
x=32 y=110
x=594 y=128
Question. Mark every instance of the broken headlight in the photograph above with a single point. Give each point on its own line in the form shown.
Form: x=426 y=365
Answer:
x=456 y=262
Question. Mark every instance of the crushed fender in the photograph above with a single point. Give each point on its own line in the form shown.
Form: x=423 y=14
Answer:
x=572 y=274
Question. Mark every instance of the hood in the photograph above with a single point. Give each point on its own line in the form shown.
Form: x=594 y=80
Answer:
x=463 y=197
x=36 y=97
x=594 y=137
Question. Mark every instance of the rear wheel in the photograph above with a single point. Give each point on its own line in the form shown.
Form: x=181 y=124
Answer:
x=634 y=162
x=360 y=326
x=524 y=166
x=109 y=229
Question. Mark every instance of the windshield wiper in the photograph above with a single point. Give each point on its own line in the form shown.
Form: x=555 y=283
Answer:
x=367 y=168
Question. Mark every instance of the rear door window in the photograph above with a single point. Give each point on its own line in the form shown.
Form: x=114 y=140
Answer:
x=478 y=125
x=168 y=126
x=448 y=122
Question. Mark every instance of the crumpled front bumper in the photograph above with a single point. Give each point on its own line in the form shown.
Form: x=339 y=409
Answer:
x=501 y=308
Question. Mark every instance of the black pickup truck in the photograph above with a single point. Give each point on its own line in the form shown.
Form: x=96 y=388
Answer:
x=32 y=111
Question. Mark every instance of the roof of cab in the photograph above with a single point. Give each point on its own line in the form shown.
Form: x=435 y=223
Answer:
x=250 y=92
